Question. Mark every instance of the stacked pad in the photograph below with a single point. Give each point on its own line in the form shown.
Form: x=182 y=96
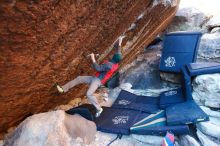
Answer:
x=172 y=97
x=155 y=124
x=127 y=100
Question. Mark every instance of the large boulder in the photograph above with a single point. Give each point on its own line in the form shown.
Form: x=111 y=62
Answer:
x=207 y=140
x=189 y=19
x=52 y=129
x=187 y=140
x=44 y=42
x=214 y=22
x=209 y=49
x=206 y=90
x=211 y=127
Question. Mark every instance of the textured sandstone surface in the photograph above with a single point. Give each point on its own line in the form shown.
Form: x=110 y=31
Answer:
x=54 y=128
x=44 y=42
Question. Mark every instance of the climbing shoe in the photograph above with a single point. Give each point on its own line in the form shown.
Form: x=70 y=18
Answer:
x=98 y=113
x=60 y=89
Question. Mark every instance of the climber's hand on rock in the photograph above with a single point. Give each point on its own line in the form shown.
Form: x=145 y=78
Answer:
x=120 y=40
x=92 y=55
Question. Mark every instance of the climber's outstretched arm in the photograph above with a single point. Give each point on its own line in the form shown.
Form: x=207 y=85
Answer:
x=99 y=68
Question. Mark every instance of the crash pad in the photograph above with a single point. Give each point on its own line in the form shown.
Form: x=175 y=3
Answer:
x=155 y=124
x=179 y=48
x=114 y=120
x=185 y=113
x=200 y=68
x=127 y=100
x=171 y=97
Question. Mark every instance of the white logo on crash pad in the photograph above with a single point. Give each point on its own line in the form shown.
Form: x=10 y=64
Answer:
x=120 y=120
x=170 y=93
x=170 y=61
x=124 y=102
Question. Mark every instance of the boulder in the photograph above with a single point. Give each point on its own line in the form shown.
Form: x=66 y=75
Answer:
x=188 y=19
x=187 y=140
x=209 y=47
x=210 y=128
x=52 y=128
x=211 y=113
x=44 y=42
x=213 y=22
x=149 y=139
x=103 y=139
x=207 y=140
x=206 y=90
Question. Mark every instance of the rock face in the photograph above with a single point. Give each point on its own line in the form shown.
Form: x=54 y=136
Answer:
x=43 y=42
x=52 y=128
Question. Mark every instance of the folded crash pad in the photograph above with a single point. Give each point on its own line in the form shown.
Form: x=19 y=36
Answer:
x=171 y=97
x=179 y=48
x=195 y=69
x=127 y=100
x=185 y=113
x=155 y=124
x=87 y=111
x=114 y=120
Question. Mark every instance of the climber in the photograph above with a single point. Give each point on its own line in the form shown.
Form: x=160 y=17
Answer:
x=104 y=72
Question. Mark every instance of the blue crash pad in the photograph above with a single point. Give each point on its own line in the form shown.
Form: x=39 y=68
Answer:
x=179 y=48
x=155 y=124
x=127 y=100
x=185 y=113
x=162 y=130
x=171 y=97
x=114 y=120
x=195 y=69
x=186 y=84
